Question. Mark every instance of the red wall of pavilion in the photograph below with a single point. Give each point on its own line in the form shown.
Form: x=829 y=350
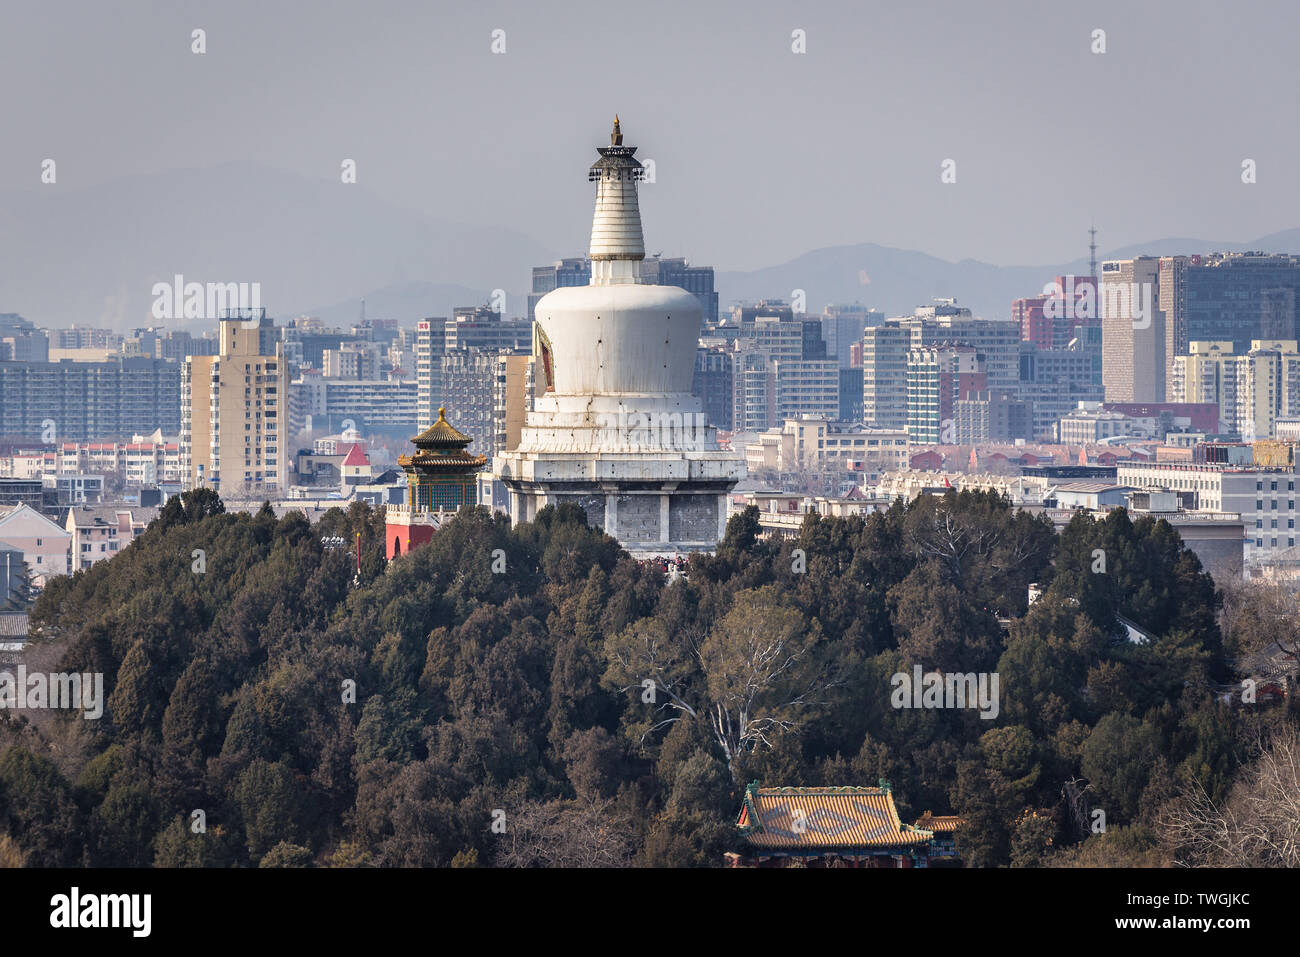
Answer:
x=400 y=538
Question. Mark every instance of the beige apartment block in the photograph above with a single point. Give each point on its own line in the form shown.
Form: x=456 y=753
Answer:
x=1252 y=390
x=45 y=546
x=1133 y=356
x=234 y=419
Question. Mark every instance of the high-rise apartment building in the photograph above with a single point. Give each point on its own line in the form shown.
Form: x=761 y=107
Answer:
x=1054 y=381
x=884 y=374
x=73 y=401
x=369 y=404
x=745 y=314
x=479 y=327
x=430 y=347
x=21 y=341
x=713 y=382
x=780 y=368
x=1252 y=390
x=781 y=337
x=806 y=387
x=513 y=396
x=842 y=328
x=458 y=369
x=753 y=391
x=177 y=344
x=937 y=378
x=998 y=340
x=886 y=349
x=234 y=409
x=469 y=385
x=80 y=337
x=991 y=415
x=1058 y=316
x=1198 y=376
x=351 y=361
x=697 y=280
x=1234 y=297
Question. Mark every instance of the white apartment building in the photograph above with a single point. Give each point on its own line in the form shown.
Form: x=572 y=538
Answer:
x=1264 y=497
x=884 y=374
x=1251 y=390
x=430 y=346
x=1090 y=423
x=142 y=461
x=351 y=361
x=28 y=465
x=818 y=443
x=370 y=403
x=907 y=484
x=807 y=387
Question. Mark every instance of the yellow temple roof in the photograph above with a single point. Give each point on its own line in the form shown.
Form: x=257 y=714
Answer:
x=441 y=435
x=841 y=817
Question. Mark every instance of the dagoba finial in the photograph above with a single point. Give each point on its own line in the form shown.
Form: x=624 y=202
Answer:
x=616 y=138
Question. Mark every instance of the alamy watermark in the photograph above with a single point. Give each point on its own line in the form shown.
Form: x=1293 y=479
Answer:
x=75 y=910
x=1132 y=300
x=38 y=691
x=203 y=300
x=946 y=690
x=673 y=431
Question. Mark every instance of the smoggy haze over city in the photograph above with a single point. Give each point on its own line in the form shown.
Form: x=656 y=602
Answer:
x=761 y=154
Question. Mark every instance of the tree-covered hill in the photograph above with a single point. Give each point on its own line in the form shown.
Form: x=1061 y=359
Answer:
x=532 y=696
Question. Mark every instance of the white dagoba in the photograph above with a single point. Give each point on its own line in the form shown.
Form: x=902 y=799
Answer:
x=614 y=427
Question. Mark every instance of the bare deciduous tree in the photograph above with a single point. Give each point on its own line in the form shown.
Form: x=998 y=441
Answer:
x=1259 y=823
x=762 y=670
x=11 y=855
x=583 y=833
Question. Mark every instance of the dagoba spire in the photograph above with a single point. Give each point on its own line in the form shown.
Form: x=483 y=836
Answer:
x=617 y=244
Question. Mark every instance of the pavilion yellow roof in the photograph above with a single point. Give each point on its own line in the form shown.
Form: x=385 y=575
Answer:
x=939 y=823
x=441 y=435
x=844 y=817
x=440 y=450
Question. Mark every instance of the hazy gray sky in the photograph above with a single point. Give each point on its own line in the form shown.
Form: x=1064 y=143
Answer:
x=761 y=154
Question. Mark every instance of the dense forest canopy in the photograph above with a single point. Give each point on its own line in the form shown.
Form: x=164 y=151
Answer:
x=268 y=705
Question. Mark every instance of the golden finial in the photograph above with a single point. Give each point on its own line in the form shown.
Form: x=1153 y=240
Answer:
x=616 y=138
x=442 y=414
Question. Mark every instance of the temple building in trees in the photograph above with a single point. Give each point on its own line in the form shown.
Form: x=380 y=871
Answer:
x=614 y=428
x=943 y=849
x=832 y=827
x=441 y=477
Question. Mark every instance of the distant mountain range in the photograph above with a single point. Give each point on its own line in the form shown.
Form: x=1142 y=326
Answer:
x=91 y=256
x=896 y=281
